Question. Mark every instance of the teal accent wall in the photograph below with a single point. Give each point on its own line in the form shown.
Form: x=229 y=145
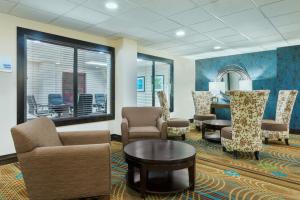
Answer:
x=269 y=70
x=288 y=77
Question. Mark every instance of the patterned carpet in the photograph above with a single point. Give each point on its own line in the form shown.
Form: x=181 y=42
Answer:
x=275 y=176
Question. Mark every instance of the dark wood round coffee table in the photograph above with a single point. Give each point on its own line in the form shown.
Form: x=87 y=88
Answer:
x=152 y=165
x=215 y=124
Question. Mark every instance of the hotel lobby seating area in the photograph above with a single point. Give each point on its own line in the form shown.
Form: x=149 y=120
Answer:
x=217 y=174
x=150 y=99
x=42 y=151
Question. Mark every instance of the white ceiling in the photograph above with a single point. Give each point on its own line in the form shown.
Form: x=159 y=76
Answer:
x=238 y=26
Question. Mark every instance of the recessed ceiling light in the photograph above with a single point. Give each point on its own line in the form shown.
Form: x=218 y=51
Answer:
x=111 y=5
x=180 y=33
x=217 y=47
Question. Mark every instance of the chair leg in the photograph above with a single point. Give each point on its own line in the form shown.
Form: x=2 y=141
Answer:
x=235 y=154
x=224 y=149
x=256 y=154
x=183 y=137
x=266 y=140
x=286 y=141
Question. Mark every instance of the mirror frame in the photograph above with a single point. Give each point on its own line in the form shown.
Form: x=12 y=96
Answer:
x=233 y=68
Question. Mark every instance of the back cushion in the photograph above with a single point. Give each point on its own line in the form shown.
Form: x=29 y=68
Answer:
x=141 y=116
x=39 y=132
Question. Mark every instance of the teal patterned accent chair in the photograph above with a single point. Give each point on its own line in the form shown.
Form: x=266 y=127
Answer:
x=247 y=110
x=176 y=126
x=279 y=128
x=202 y=103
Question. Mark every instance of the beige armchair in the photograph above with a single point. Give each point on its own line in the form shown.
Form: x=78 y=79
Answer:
x=142 y=123
x=64 y=165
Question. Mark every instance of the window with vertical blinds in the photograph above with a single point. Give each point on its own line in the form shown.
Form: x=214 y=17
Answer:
x=67 y=80
x=154 y=74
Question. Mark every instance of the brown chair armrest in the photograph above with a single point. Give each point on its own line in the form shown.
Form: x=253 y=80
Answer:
x=67 y=170
x=84 y=137
x=272 y=125
x=124 y=130
x=162 y=127
x=124 y=125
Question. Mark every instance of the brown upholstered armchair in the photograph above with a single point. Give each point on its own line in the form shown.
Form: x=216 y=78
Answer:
x=63 y=165
x=142 y=123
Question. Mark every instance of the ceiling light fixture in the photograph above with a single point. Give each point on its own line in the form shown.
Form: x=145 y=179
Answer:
x=217 y=47
x=96 y=63
x=111 y=5
x=180 y=33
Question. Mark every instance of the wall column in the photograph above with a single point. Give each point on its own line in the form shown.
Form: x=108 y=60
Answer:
x=125 y=80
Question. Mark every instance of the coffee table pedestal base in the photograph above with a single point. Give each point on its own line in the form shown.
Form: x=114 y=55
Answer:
x=215 y=125
x=161 y=182
x=160 y=166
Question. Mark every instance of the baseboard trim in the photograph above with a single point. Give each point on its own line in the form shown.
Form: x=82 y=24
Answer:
x=116 y=137
x=9 y=158
x=295 y=131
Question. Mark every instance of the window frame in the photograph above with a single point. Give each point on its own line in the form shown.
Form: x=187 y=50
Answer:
x=22 y=35
x=163 y=60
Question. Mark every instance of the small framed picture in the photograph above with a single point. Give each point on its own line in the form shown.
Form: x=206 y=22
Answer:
x=140 y=84
x=5 y=64
x=159 y=82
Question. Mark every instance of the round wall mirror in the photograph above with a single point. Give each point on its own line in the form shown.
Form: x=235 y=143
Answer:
x=232 y=75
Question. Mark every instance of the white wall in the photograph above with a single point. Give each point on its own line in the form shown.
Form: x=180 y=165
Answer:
x=125 y=90
x=125 y=79
x=184 y=84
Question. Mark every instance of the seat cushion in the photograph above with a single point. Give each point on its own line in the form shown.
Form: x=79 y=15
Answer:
x=144 y=132
x=272 y=125
x=177 y=122
x=205 y=117
x=226 y=133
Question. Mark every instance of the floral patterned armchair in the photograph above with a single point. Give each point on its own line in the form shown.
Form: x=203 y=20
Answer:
x=247 y=109
x=202 y=103
x=176 y=126
x=279 y=128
